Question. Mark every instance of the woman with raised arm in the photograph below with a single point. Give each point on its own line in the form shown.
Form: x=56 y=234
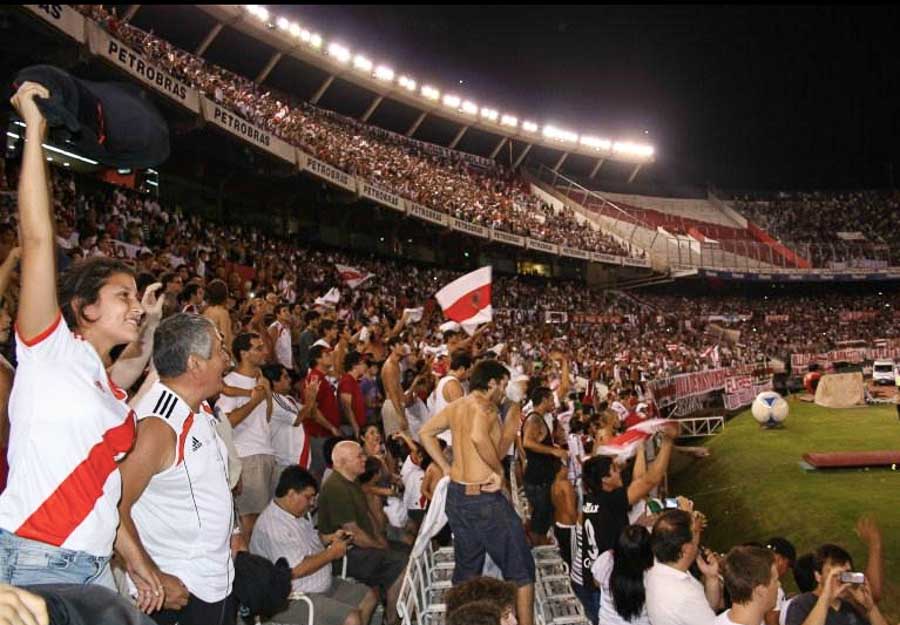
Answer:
x=70 y=423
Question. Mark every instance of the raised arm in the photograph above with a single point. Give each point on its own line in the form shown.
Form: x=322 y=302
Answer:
x=131 y=364
x=38 y=306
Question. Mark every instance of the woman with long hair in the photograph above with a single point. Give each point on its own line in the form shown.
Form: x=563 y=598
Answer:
x=70 y=422
x=620 y=574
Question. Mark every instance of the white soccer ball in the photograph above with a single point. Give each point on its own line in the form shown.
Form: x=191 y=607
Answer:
x=769 y=408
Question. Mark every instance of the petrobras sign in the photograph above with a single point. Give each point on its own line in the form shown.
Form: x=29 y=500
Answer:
x=427 y=214
x=803 y=276
x=506 y=237
x=62 y=17
x=572 y=252
x=331 y=174
x=534 y=244
x=465 y=226
x=128 y=60
x=379 y=195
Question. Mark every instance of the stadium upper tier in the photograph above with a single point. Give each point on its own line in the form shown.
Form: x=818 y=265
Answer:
x=475 y=190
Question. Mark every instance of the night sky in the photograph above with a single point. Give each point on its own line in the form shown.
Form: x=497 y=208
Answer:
x=740 y=97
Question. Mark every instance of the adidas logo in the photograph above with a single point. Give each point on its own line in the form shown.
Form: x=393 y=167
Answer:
x=195 y=444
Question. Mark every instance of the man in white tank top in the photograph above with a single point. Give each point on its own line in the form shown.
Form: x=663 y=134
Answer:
x=176 y=509
x=451 y=387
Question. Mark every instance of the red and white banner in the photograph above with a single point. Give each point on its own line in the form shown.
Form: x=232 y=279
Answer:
x=854 y=355
x=745 y=395
x=778 y=318
x=351 y=276
x=467 y=300
x=625 y=445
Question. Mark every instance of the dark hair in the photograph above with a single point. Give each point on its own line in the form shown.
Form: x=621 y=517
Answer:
x=805 y=572
x=352 y=359
x=315 y=354
x=373 y=468
x=216 y=293
x=168 y=277
x=394 y=340
x=830 y=553
x=143 y=280
x=745 y=569
x=631 y=557
x=672 y=531
x=325 y=325
x=241 y=343
x=280 y=307
x=540 y=394
x=784 y=548
x=497 y=592
x=80 y=286
x=273 y=372
x=397 y=447
x=593 y=471
x=310 y=316
x=484 y=372
x=475 y=613
x=295 y=478
x=460 y=359
x=188 y=292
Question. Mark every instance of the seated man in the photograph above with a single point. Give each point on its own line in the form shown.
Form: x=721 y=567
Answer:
x=494 y=591
x=342 y=505
x=283 y=531
x=751 y=577
x=833 y=602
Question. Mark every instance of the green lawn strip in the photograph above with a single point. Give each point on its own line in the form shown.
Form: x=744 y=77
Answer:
x=752 y=486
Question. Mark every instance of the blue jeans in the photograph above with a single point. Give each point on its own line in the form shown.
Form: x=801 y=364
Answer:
x=590 y=599
x=25 y=562
x=487 y=523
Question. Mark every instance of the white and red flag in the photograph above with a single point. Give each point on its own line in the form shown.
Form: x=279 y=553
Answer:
x=625 y=445
x=467 y=300
x=351 y=276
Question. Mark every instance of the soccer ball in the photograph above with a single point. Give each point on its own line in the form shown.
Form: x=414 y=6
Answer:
x=769 y=408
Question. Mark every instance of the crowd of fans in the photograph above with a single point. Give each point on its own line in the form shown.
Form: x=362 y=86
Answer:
x=810 y=223
x=488 y=196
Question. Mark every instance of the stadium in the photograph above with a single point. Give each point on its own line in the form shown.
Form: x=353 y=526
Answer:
x=335 y=330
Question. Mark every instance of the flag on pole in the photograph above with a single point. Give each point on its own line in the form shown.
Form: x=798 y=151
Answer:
x=467 y=300
x=351 y=276
x=330 y=299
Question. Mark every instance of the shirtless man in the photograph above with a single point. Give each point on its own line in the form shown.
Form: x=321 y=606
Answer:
x=482 y=519
x=393 y=412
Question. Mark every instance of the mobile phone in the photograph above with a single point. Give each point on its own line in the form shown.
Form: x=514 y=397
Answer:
x=851 y=577
x=670 y=503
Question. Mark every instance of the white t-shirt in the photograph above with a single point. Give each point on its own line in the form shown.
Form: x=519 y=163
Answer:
x=283 y=351
x=602 y=569
x=71 y=425
x=289 y=441
x=279 y=534
x=251 y=436
x=412 y=476
x=184 y=516
x=676 y=598
x=725 y=619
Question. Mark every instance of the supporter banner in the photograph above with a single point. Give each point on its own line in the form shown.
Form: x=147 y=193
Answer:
x=331 y=174
x=555 y=316
x=745 y=395
x=506 y=237
x=126 y=250
x=571 y=252
x=730 y=318
x=606 y=258
x=243 y=129
x=854 y=355
x=62 y=17
x=465 y=226
x=534 y=244
x=126 y=59
x=778 y=318
x=804 y=276
x=428 y=214
x=858 y=315
x=671 y=390
x=596 y=319
x=381 y=196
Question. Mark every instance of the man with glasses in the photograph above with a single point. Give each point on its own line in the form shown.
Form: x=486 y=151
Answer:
x=284 y=531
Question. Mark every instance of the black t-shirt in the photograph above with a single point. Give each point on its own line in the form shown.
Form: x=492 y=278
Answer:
x=605 y=516
x=800 y=608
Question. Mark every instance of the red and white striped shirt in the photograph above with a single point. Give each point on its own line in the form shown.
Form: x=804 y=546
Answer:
x=70 y=427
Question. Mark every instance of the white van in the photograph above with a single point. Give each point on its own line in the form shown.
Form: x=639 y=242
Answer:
x=883 y=372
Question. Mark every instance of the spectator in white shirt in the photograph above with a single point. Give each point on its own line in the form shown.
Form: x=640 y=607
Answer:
x=751 y=578
x=283 y=530
x=280 y=331
x=674 y=597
